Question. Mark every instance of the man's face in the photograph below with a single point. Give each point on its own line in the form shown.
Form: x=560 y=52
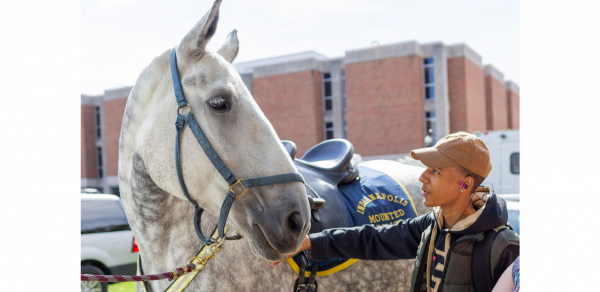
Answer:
x=440 y=186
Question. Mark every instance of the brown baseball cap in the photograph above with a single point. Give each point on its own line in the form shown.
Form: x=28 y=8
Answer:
x=461 y=148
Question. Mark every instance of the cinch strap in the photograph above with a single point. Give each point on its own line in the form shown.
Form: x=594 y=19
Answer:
x=210 y=152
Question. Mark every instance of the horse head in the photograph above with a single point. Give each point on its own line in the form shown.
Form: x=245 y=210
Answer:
x=273 y=219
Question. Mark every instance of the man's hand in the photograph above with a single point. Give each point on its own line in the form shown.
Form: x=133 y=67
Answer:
x=305 y=245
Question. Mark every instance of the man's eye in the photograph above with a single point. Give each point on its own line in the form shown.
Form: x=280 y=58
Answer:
x=435 y=171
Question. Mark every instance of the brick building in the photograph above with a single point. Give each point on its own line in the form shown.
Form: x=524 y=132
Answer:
x=101 y=118
x=384 y=99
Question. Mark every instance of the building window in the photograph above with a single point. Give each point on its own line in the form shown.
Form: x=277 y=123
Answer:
x=428 y=80
x=100 y=168
x=327 y=96
x=430 y=125
x=98 y=132
x=328 y=130
x=514 y=163
x=344 y=89
x=115 y=191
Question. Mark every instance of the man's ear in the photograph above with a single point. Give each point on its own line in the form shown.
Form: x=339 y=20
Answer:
x=193 y=45
x=230 y=47
x=470 y=182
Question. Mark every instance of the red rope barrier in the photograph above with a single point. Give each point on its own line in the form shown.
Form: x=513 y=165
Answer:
x=133 y=278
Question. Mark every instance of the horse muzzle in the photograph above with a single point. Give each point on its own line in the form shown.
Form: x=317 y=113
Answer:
x=274 y=237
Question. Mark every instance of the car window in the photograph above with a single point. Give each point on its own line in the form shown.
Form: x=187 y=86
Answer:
x=514 y=220
x=102 y=216
x=514 y=163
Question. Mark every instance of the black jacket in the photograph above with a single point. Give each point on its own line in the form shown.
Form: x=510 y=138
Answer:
x=402 y=240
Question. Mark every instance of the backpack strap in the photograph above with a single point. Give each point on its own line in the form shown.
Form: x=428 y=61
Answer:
x=487 y=253
x=501 y=242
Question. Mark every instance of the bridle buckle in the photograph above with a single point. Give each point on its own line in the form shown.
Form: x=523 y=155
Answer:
x=244 y=191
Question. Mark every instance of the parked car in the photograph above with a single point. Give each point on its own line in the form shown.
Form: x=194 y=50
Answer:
x=514 y=210
x=505 y=157
x=90 y=191
x=107 y=243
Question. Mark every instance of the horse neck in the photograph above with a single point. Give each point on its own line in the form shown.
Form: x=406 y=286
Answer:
x=163 y=223
x=142 y=99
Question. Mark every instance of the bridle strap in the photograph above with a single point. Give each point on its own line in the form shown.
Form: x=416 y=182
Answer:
x=271 y=180
x=252 y=183
x=212 y=155
x=197 y=209
x=193 y=124
x=181 y=102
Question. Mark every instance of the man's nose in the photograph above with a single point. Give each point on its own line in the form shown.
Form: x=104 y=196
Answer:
x=424 y=178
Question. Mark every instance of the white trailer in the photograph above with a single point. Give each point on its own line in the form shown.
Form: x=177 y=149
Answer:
x=504 y=153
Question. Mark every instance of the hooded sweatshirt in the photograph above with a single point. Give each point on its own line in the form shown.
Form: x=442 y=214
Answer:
x=402 y=240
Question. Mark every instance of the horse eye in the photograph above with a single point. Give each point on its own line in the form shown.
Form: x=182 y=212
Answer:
x=218 y=103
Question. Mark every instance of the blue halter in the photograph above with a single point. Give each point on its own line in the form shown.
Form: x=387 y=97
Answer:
x=232 y=181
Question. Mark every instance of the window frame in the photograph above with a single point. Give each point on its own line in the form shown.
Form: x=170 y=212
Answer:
x=99 y=162
x=432 y=120
x=345 y=129
x=344 y=89
x=428 y=63
x=329 y=129
x=330 y=97
x=98 y=122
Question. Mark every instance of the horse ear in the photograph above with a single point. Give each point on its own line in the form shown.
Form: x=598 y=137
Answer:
x=194 y=42
x=230 y=47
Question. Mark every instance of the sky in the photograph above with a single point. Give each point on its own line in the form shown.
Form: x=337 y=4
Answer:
x=120 y=37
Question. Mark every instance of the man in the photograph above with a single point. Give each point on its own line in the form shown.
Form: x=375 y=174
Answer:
x=443 y=240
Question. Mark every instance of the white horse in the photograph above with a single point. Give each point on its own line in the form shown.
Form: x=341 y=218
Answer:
x=272 y=220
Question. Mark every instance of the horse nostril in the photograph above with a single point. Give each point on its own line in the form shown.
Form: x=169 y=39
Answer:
x=294 y=222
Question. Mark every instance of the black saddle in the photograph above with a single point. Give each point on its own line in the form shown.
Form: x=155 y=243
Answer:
x=324 y=167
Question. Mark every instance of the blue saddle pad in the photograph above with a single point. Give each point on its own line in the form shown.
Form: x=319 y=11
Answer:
x=376 y=199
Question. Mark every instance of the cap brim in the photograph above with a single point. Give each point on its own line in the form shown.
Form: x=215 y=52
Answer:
x=431 y=157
